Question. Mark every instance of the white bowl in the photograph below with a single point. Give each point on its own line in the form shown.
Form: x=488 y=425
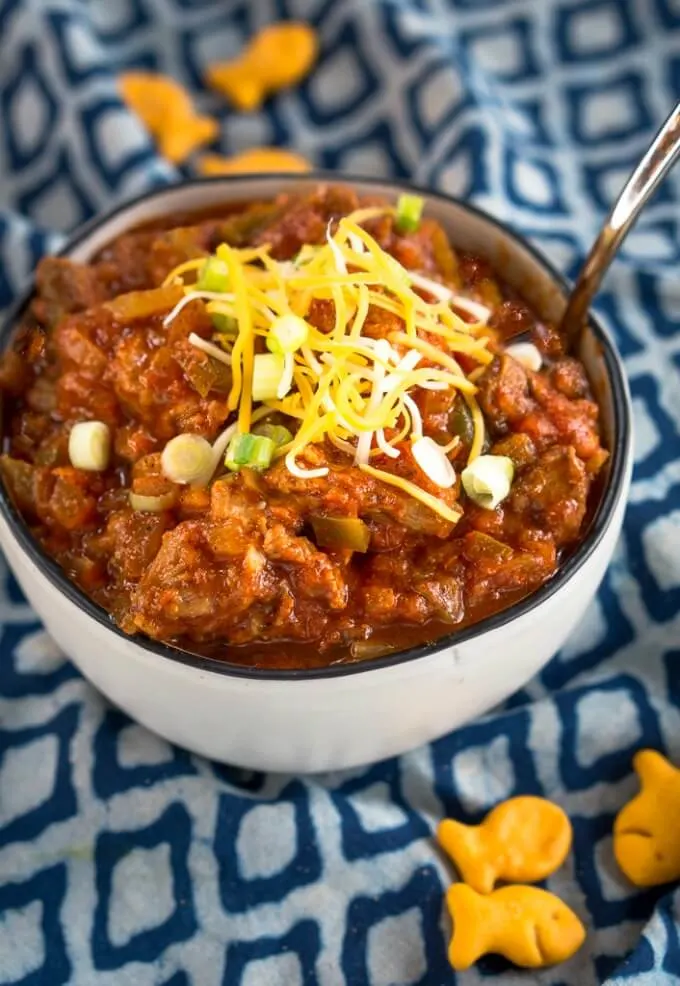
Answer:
x=336 y=717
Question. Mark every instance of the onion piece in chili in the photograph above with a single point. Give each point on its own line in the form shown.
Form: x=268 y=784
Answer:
x=349 y=533
x=487 y=480
x=188 y=459
x=152 y=504
x=89 y=445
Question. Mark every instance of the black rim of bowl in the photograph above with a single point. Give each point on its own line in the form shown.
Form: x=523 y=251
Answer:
x=571 y=566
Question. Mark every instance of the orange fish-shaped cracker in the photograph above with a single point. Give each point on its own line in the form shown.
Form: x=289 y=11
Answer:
x=255 y=159
x=166 y=110
x=279 y=56
x=647 y=829
x=522 y=840
x=529 y=926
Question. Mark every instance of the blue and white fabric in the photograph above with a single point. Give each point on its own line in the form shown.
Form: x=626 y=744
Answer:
x=125 y=861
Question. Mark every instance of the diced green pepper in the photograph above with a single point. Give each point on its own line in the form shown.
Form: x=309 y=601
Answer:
x=253 y=451
x=341 y=532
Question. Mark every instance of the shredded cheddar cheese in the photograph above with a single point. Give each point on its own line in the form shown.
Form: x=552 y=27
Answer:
x=354 y=390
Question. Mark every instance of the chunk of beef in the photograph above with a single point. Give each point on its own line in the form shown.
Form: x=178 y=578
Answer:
x=526 y=568
x=143 y=259
x=76 y=350
x=73 y=503
x=552 y=494
x=511 y=395
x=235 y=573
x=395 y=588
x=575 y=421
x=29 y=486
x=314 y=575
x=568 y=376
x=151 y=385
x=504 y=393
x=132 y=540
x=380 y=324
x=15 y=373
x=518 y=447
x=63 y=497
x=65 y=286
x=347 y=492
x=436 y=409
x=511 y=318
x=304 y=220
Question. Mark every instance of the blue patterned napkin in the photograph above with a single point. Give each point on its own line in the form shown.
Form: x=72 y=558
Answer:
x=124 y=861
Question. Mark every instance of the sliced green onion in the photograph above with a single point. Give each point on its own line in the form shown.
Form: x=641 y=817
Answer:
x=226 y=324
x=287 y=333
x=188 y=459
x=214 y=276
x=89 y=445
x=253 y=451
x=341 y=532
x=488 y=479
x=268 y=372
x=152 y=504
x=409 y=211
x=278 y=434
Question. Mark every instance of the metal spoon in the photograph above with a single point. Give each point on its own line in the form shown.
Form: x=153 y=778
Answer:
x=649 y=173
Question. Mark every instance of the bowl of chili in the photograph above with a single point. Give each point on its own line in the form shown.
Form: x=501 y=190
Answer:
x=298 y=473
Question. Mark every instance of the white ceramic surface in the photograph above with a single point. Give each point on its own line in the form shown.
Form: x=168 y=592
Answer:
x=310 y=722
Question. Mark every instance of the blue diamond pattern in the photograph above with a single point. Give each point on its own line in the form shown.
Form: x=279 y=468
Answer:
x=48 y=888
x=110 y=778
x=642 y=730
x=30 y=110
x=59 y=802
x=618 y=633
x=15 y=683
x=644 y=539
x=421 y=893
x=533 y=184
x=590 y=31
x=174 y=828
x=614 y=111
x=507 y=50
x=588 y=834
x=80 y=53
x=240 y=893
x=302 y=941
x=357 y=843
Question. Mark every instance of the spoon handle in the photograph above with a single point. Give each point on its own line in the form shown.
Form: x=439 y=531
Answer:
x=644 y=180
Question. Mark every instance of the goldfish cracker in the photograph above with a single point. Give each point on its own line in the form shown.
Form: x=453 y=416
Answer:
x=647 y=829
x=255 y=159
x=528 y=926
x=279 y=56
x=166 y=110
x=154 y=98
x=521 y=840
x=178 y=142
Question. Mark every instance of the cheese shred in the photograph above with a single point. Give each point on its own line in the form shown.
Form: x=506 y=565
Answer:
x=349 y=387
